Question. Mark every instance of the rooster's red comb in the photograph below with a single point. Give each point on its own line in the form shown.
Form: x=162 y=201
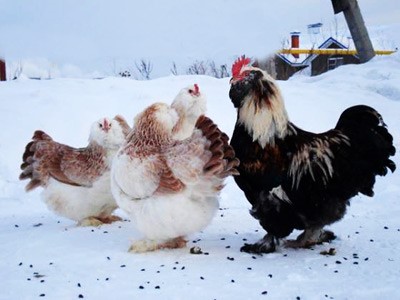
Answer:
x=196 y=88
x=238 y=65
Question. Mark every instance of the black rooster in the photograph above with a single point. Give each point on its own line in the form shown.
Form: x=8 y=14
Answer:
x=296 y=179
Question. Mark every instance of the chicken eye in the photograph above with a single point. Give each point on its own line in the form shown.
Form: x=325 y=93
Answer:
x=100 y=125
x=190 y=91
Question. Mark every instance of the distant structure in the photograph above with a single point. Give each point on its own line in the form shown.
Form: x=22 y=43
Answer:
x=318 y=59
x=357 y=28
x=2 y=70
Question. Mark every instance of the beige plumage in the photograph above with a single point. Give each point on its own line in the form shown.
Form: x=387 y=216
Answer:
x=170 y=187
x=75 y=181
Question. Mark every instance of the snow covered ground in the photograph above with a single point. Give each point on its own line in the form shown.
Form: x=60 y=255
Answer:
x=47 y=257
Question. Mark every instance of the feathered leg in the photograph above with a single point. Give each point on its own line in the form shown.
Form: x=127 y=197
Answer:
x=265 y=245
x=98 y=221
x=152 y=245
x=310 y=237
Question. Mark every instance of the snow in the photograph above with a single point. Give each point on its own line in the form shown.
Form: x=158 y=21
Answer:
x=48 y=257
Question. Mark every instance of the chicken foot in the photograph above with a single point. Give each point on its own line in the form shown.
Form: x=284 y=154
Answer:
x=266 y=245
x=152 y=245
x=310 y=237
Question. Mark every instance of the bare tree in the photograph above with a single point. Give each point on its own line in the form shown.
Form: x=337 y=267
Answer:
x=174 y=69
x=197 y=68
x=218 y=72
x=145 y=68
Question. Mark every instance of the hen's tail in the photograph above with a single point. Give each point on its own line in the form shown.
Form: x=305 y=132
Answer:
x=370 y=140
x=223 y=161
x=28 y=166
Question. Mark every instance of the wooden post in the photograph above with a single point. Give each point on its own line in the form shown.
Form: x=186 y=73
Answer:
x=357 y=28
x=2 y=70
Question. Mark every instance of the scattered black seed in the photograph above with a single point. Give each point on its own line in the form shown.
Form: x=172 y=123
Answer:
x=157 y=287
x=230 y=258
x=244 y=239
x=177 y=262
x=37 y=225
x=297 y=298
x=105 y=231
x=371 y=240
x=174 y=268
x=249 y=268
x=108 y=258
x=355 y=263
x=30 y=266
x=28 y=279
x=357 y=232
x=92 y=230
x=336 y=271
x=183 y=268
x=143 y=270
x=366 y=258
x=222 y=239
x=123 y=266
x=386 y=227
x=79 y=285
x=107 y=279
x=80 y=296
x=158 y=271
x=232 y=280
x=20 y=264
x=206 y=253
x=141 y=287
x=42 y=295
x=254 y=257
x=236 y=232
x=201 y=277
x=162 y=266
x=58 y=222
x=284 y=255
x=338 y=262
x=264 y=293
x=50 y=263
x=227 y=247
x=345 y=258
x=270 y=275
x=42 y=280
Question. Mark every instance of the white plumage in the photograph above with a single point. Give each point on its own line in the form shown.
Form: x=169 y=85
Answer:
x=170 y=187
x=76 y=182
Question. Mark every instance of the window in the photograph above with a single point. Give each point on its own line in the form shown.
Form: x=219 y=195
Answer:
x=334 y=62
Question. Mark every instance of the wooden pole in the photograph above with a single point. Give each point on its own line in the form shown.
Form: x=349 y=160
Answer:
x=355 y=22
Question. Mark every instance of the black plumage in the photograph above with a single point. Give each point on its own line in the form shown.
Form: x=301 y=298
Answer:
x=296 y=179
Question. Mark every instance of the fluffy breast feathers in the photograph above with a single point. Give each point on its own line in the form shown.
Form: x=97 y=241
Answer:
x=45 y=158
x=154 y=163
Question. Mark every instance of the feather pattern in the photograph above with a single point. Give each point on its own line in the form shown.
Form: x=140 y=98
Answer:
x=75 y=181
x=296 y=179
x=169 y=186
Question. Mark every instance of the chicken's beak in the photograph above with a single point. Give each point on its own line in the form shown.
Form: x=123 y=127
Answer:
x=106 y=125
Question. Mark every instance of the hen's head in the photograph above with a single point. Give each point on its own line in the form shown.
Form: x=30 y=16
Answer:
x=251 y=81
x=190 y=102
x=154 y=125
x=108 y=133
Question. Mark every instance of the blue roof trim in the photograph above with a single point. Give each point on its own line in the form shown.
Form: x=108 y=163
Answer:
x=331 y=41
